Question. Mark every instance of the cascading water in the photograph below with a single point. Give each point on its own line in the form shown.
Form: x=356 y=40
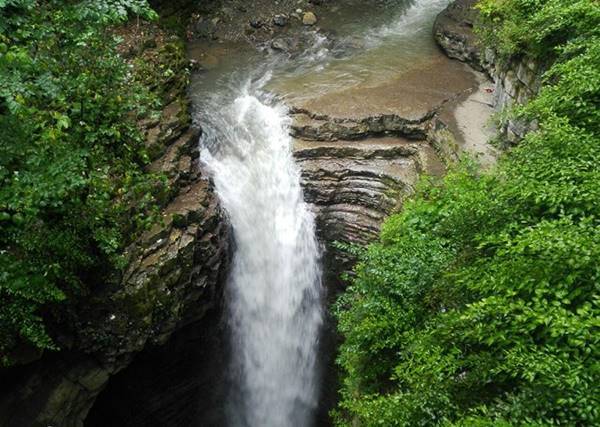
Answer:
x=274 y=291
x=274 y=296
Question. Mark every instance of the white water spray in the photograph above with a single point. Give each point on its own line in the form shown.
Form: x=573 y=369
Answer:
x=274 y=291
x=417 y=17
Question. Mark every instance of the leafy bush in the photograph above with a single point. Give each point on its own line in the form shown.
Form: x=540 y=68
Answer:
x=73 y=191
x=480 y=305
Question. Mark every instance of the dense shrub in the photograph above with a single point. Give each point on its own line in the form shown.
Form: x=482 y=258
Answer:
x=73 y=190
x=480 y=305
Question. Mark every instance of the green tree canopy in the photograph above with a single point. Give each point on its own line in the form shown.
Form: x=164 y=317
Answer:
x=73 y=190
x=480 y=305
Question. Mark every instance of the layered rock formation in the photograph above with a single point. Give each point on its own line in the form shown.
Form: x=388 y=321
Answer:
x=516 y=82
x=363 y=150
x=172 y=280
x=354 y=185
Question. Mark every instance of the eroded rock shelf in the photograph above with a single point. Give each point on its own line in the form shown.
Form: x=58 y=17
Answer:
x=363 y=150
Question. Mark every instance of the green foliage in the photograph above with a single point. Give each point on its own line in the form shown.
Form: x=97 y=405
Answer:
x=480 y=306
x=536 y=28
x=73 y=190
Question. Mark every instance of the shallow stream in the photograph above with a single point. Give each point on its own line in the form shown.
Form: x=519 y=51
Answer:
x=360 y=44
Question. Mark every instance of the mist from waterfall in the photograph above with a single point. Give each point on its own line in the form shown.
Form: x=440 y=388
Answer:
x=274 y=291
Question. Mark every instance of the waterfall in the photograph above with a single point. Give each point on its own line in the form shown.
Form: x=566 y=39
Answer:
x=274 y=290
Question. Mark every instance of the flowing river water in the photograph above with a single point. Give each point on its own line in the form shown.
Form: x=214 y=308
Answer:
x=274 y=298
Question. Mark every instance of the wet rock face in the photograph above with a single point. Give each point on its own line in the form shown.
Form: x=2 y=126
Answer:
x=354 y=175
x=354 y=185
x=173 y=278
x=175 y=267
x=453 y=31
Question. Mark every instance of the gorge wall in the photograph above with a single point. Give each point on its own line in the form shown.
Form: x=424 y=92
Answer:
x=362 y=151
x=173 y=278
x=516 y=80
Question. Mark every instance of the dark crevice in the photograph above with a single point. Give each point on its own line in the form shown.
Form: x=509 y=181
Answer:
x=179 y=384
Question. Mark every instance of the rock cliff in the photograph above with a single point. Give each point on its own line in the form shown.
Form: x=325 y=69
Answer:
x=515 y=81
x=172 y=279
x=363 y=150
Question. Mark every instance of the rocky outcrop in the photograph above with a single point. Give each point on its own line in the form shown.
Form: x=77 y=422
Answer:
x=354 y=185
x=356 y=170
x=173 y=269
x=173 y=277
x=453 y=31
x=363 y=150
x=516 y=80
x=318 y=127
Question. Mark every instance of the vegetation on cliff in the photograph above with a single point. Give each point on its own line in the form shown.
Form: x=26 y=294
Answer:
x=480 y=303
x=73 y=189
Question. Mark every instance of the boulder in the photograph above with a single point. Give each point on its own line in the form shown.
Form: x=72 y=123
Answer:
x=453 y=31
x=281 y=45
x=256 y=23
x=309 y=18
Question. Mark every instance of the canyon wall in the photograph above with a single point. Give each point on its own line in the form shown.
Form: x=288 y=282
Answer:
x=516 y=80
x=174 y=276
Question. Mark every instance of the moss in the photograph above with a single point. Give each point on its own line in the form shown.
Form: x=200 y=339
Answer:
x=180 y=221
